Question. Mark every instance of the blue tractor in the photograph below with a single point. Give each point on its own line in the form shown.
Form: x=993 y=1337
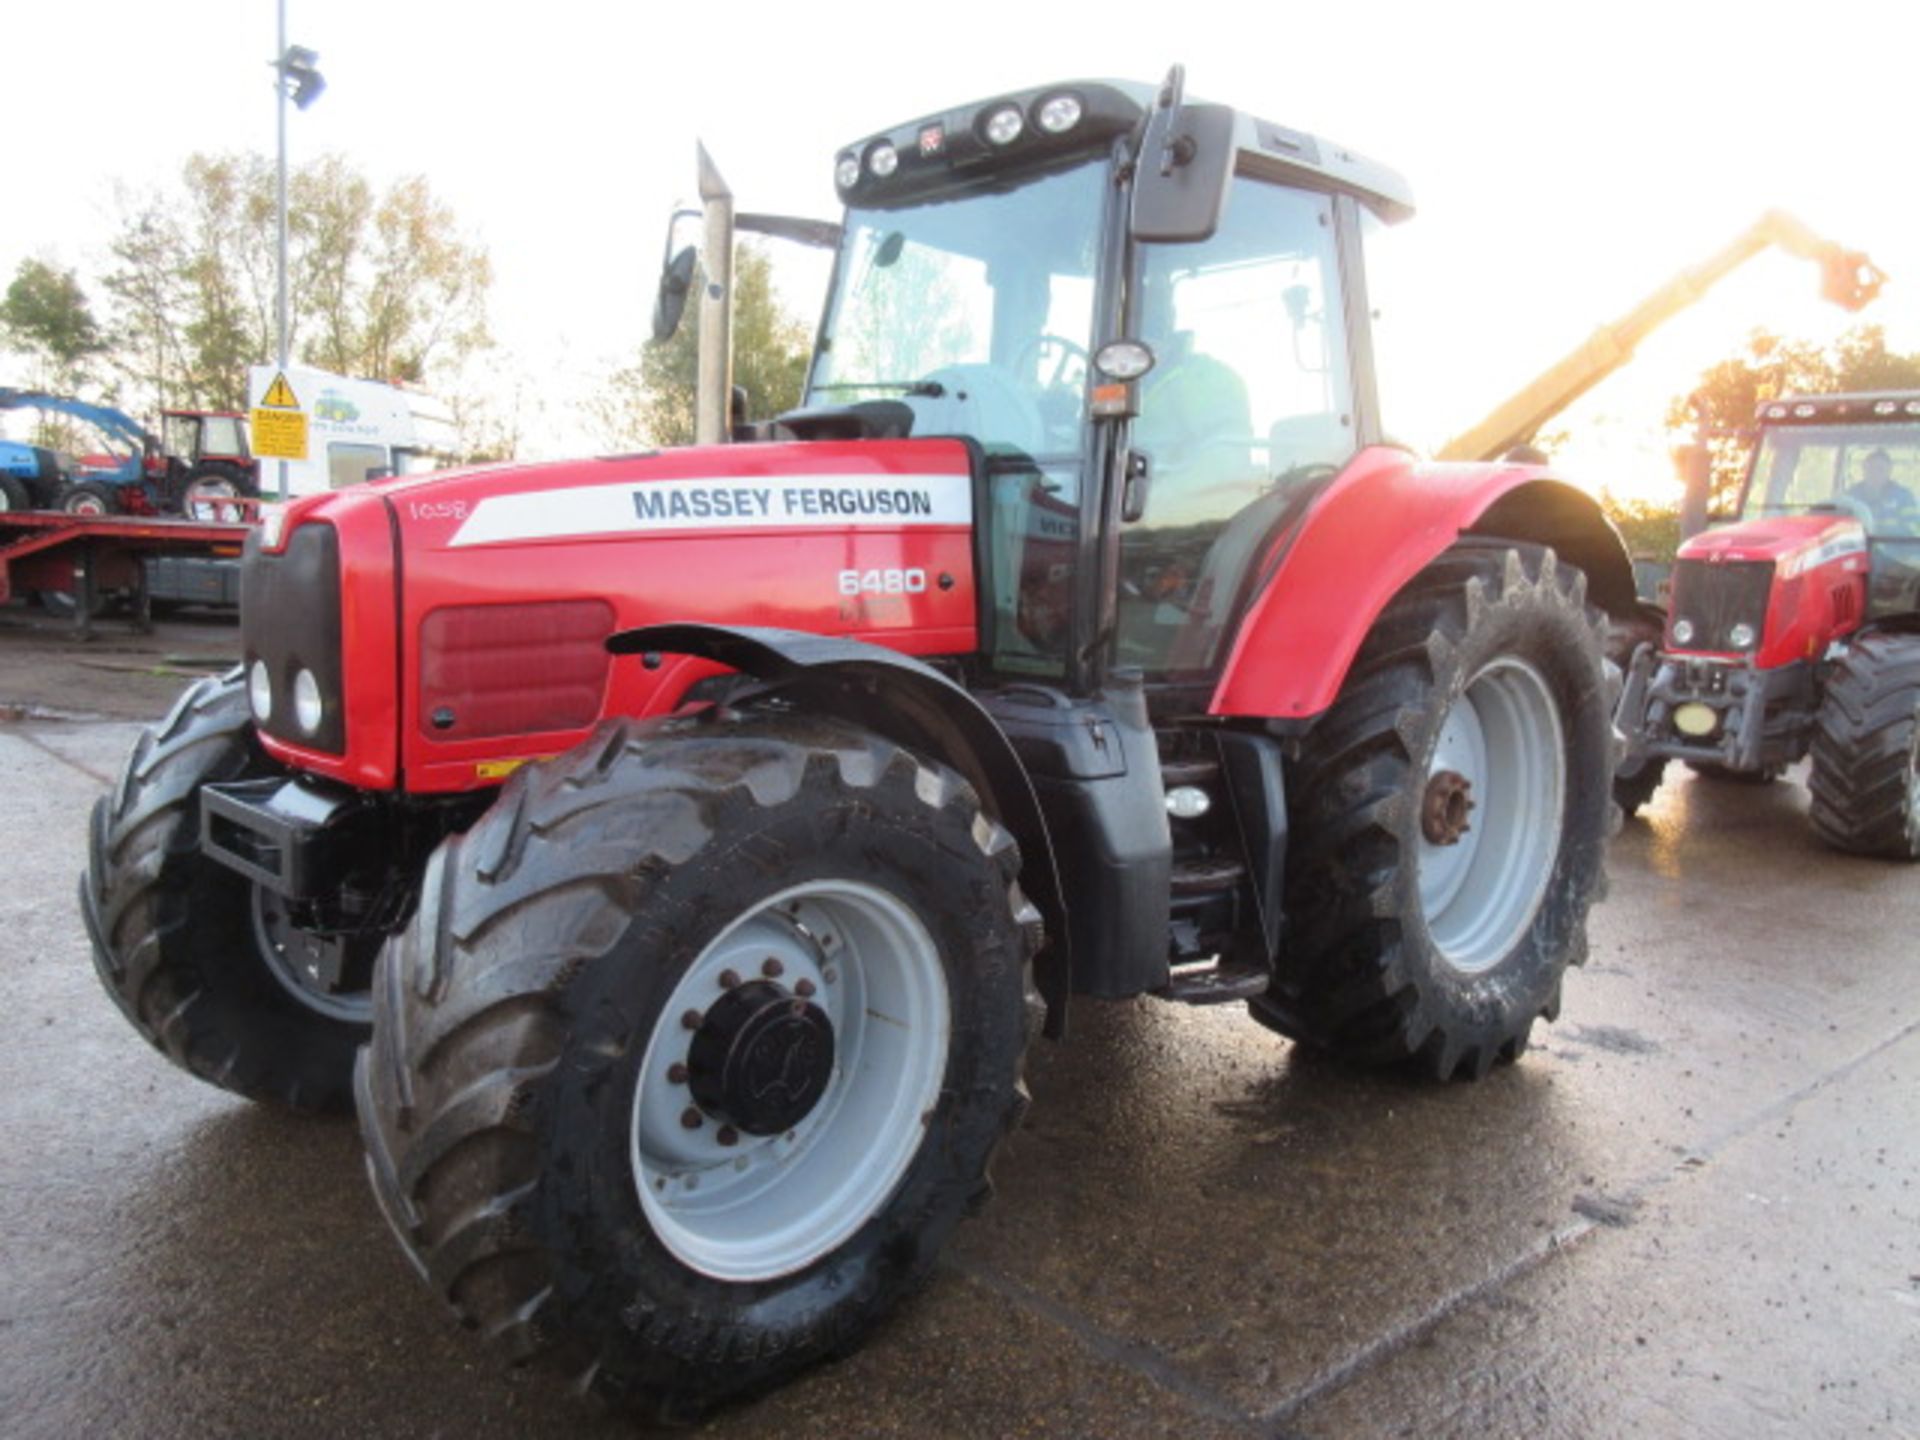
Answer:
x=204 y=455
x=31 y=476
x=97 y=484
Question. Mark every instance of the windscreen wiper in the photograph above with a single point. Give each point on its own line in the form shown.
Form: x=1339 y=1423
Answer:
x=932 y=389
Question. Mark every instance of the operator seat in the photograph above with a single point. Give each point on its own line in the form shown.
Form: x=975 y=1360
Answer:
x=1301 y=449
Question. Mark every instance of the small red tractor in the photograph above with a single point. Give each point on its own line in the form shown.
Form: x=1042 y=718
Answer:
x=1796 y=631
x=668 y=850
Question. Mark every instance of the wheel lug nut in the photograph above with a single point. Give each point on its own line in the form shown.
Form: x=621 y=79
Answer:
x=691 y=1019
x=728 y=1135
x=729 y=979
x=676 y=1074
x=691 y=1117
x=829 y=975
x=773 y=969
x=803 y=989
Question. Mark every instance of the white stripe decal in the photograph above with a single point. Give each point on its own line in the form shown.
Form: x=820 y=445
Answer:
x=723 y=502
x=1851 y=541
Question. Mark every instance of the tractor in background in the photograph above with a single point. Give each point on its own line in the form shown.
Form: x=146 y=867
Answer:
x=665 y=852
x=1795 y=632
x=200 y=455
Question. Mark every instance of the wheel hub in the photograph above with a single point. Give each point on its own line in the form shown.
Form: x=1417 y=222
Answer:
x=761 y=1058
x=1445 y=809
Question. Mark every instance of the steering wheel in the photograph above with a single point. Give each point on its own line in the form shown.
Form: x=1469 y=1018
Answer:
x=1034 y=353
x=1855 y=507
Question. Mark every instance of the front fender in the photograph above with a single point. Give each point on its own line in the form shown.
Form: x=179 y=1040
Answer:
x=1381 y=522
x=915 y=705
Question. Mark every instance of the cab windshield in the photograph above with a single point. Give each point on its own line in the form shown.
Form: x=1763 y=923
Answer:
x=1871 y=472
x=975 y=310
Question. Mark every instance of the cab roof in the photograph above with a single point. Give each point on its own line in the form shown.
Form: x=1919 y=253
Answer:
x=947 y=146
x=1867 y=407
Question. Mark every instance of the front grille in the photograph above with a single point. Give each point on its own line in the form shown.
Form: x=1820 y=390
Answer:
x=290 y=619
x=490 y=670
x=1715 y=598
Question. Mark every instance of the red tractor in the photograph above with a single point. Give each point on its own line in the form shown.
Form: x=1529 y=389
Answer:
x=666 y=851
x=1796 y=631
x=206 y=456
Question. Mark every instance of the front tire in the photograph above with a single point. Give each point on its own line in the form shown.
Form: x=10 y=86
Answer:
x=187 y=947
x=1449 y=816
x=579 y=1117
x=90 y=498
x=1865 y=776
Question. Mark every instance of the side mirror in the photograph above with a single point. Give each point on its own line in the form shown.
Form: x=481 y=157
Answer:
x=1186 y=163
x=670 y=302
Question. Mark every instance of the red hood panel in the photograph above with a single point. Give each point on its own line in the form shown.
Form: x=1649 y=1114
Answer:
x=1776 y=538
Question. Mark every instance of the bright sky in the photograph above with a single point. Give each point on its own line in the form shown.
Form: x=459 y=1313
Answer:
x=1565 y=158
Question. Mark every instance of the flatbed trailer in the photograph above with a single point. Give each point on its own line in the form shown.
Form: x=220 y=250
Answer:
x=86 y=556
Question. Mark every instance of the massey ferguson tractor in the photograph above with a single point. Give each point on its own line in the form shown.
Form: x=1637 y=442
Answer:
x=1796 y=631
x=666 y=851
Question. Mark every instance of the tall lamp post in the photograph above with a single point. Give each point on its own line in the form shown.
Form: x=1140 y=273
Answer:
x=297 y=80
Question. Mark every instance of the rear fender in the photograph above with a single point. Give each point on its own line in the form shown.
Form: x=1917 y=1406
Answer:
x=915 y=705
x=1383 y=520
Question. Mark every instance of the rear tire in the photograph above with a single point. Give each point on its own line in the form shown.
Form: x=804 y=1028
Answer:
x=1865 y=777
x=182 y=942
x=14 y=495
x=208 y=486
x=573 y=1192
x=1487 y=667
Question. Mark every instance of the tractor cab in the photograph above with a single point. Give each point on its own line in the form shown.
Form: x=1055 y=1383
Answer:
x=204 y=454
x=1157 y=363
x=1856 y=456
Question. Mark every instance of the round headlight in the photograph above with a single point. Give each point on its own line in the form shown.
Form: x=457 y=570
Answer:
x=1742 y=636
x=1188 y=802
x=1682 y=631
x=847 y=173
x=1123 y=359
x=260 y=691
x=883 y=160
x=1004 y=125
x=1060 y=114
x=307 y=706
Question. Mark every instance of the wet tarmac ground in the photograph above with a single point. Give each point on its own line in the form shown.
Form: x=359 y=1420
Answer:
x=1692 y=1209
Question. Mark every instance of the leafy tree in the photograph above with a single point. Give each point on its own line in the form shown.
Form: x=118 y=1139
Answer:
x=651 y=401
x=1651 y=528
x=1768 y=365
x=381 y=285
x=46 y=315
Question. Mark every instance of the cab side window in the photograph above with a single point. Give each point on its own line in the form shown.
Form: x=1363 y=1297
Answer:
x=1249 y=399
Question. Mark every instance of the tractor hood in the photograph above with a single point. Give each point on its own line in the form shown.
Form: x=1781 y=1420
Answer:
x=1792 y=542
x=500 y=585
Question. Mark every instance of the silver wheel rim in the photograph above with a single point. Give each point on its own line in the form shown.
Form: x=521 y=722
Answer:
x=765 y=1206
x=1503 y=735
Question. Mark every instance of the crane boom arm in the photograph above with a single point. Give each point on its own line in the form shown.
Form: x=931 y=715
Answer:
x=1848 y=279
x=116 y=423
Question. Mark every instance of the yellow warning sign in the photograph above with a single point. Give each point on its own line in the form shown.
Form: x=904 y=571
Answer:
x=279 y=434
x=279 y=395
